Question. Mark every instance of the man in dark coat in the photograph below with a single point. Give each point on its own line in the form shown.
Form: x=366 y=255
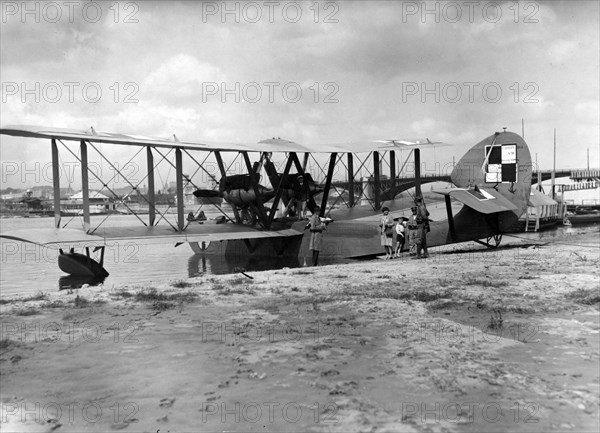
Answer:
x=422 y=219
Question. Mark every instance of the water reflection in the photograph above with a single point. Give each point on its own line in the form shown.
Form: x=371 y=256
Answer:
x=69 y=282
x=201 y=264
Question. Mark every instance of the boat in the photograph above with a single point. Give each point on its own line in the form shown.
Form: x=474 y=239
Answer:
x=587 y=216
x=542 y=213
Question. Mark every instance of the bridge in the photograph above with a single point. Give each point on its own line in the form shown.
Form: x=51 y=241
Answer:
x=579 y=175
x=588 y=178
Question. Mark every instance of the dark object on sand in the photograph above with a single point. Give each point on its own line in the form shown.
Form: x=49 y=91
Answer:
x=82 y=264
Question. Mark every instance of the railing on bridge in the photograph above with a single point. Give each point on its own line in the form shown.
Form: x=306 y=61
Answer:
x=363 y=189
x=585 y=174
x=579 y=186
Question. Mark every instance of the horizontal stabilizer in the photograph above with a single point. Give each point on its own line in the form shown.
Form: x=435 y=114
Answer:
x=484 y=200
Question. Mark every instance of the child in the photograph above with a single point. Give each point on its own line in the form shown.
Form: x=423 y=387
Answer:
x=400 y=237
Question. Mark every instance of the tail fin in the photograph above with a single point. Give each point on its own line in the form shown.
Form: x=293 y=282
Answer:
x=501 y=161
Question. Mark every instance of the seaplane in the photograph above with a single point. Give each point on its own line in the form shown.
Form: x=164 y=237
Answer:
x=491 y=186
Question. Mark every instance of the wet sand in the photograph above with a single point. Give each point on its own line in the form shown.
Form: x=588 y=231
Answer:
x=468 y=340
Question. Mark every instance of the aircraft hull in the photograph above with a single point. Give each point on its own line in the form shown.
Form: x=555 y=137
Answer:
x=356 y=239
x=359 y=239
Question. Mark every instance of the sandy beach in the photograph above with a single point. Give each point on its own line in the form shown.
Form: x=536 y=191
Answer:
x=468 y=340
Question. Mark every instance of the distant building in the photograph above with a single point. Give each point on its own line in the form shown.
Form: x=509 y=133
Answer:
x=12 y=195
x=99 y=204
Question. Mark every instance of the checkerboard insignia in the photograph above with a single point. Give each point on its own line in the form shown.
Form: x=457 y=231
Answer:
x=501 y=163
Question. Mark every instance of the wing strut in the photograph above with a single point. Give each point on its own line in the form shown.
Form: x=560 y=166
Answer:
x=279 y=192
x=151 y=199
x=219 y=159
x=99 y=179
x=254 y=182
x=376 y=175
x=297 y=163
x=332 y=161
x=179 y=179
x=56 y=183
x=450 y=218
x=350 y=180
x=85 y=186
x=418 y=172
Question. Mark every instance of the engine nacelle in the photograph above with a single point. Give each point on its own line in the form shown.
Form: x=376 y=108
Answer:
x=242 y=198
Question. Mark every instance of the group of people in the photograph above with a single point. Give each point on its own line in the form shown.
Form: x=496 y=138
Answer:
x=415 y=229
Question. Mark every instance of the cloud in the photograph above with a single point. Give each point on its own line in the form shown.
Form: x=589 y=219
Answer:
x=172 y=52
x=181 y=77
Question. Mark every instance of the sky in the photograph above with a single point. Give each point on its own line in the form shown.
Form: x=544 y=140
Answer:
x=311 y=72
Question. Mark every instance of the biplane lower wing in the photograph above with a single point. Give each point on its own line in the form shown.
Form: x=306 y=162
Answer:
x=50 y=237
x=484 y=200
x=144 y=235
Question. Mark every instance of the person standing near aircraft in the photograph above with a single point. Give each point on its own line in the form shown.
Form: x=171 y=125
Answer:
x=414 y=235
x=387 y=232
x=316 y=234
x=302 y=197
x=422 y=224
x=400 y=237
x=299 y=199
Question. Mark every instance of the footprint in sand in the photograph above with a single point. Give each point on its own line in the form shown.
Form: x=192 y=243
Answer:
x=344 y=388
x=167 y=402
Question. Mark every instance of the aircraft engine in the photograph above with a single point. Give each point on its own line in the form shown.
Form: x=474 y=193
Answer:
x=237 y=190
x=242 y=198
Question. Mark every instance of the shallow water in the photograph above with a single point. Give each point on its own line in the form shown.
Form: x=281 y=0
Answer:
x=28 y=268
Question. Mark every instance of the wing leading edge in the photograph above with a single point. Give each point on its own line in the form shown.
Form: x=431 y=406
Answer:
x=143 y=235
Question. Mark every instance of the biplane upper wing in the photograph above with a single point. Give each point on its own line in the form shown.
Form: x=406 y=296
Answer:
x=484 y=200
x=112 y=138
x=143 y=235
x=383 y=145
x=269 y=145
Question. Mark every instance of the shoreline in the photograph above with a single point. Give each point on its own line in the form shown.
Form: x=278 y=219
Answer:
x=494 y=340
